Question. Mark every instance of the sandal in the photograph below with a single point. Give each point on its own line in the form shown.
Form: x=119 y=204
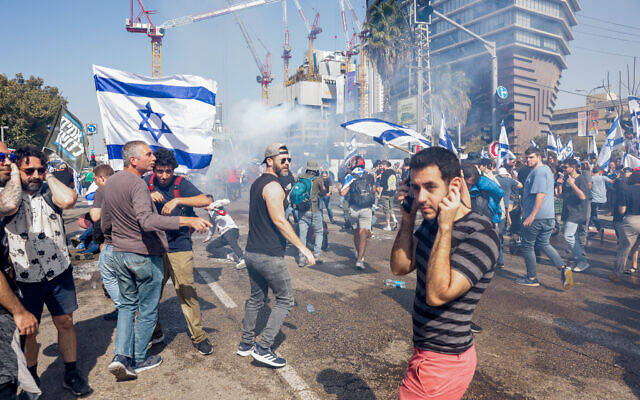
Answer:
x=631 y=271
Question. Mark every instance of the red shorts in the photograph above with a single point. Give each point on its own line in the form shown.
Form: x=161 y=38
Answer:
x=432 y=375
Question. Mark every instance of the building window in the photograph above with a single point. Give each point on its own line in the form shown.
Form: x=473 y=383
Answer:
x=548 y=7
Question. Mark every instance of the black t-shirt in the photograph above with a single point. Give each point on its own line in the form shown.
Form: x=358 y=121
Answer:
x=264 y=237
x=65 y=177
x=179 y=240
x=388 y=182
x=632 y=199
x=574 y=209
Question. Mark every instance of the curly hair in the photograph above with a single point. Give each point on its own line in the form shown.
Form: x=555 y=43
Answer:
x=165 y=157
x=25 y=151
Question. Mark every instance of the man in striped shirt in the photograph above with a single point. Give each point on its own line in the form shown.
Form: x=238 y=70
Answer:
x=454 y=252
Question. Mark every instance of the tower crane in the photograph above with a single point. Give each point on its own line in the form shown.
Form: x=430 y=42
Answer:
x=362 y=33
x=313 y=31
x=351 y=49
x=286 y=51
x=265 y=77
x=156 y=33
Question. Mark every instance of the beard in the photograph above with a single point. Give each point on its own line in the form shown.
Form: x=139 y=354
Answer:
x=279 y=170
x=33 y=185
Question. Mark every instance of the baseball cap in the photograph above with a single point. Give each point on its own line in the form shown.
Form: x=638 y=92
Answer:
x=312 y=165
x=275 y=149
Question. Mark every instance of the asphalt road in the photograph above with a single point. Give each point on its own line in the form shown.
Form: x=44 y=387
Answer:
x=537 y=343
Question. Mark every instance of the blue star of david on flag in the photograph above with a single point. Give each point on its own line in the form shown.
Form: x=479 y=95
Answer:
x=145 y=124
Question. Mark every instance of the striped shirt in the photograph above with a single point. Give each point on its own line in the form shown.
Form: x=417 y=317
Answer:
x=474 y=252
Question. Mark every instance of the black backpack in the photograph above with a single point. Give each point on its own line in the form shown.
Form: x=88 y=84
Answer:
x=361 y=192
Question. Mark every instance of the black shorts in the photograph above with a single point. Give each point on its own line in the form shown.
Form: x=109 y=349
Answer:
x=59 y=294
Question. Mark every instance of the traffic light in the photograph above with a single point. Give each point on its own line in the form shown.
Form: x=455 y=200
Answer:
x=93 y=162
x=506 y=114
x=423 y=11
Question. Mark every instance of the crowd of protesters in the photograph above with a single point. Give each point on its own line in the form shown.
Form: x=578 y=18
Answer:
x=142 y=218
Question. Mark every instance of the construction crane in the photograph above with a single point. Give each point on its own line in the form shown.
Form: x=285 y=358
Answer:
x=136 y=25
x=351 y=48
x=265 y=77
x=286 y=51
x=362 y=79
x=313 y=31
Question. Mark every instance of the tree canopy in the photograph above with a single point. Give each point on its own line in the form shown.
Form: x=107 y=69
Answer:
x=27 y=107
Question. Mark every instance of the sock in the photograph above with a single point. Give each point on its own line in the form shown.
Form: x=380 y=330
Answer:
x=70 y=366
x=33 y=371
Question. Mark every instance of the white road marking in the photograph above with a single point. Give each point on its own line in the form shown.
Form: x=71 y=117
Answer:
x=217 y=289
x=297 y=384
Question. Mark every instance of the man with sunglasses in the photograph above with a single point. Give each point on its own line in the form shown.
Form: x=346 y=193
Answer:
x=38 y=250
x=269 y=232
x=175 y=195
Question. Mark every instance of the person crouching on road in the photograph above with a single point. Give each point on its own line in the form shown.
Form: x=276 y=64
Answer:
x=139 y=241
x=269 y=231
x=229 y=232
x=454 y=252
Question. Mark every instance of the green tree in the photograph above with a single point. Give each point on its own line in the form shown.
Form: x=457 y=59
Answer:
x=475 y=144
x=388 y=43
x=28 y=107
x=450 y=95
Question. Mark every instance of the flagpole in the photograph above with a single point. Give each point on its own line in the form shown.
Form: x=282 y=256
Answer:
x=399 y=148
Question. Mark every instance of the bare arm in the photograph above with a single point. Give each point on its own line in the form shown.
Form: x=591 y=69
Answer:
x=94 y=213
x=25 y=321
x=63 y=196
x=273 y=195
x=200 y=200
x=11 y=196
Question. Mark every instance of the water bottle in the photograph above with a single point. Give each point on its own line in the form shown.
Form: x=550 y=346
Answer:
x=93 y=284
x=310 y=308
x=398 y=284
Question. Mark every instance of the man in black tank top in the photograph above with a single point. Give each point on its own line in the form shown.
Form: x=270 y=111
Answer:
x=269 y=231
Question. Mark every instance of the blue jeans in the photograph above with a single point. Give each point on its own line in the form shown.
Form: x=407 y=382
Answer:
x=107 y=270
x=314 y=220
x=140 y=283
x=266 y=272
x=537 y=235
x=570 y=235
x=325 y=202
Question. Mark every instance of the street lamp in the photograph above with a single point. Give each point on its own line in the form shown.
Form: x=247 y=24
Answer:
x=590 y=103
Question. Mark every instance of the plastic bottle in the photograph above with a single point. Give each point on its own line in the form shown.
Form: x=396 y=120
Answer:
x=398 y=284
x=310 y=308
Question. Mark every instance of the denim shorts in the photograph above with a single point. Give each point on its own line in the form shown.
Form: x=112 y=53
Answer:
x=59 y=294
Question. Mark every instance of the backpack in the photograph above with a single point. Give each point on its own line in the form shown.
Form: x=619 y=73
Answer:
x=361 y=192
x=300 y=195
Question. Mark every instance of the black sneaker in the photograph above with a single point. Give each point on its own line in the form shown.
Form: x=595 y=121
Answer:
x=566 y=275
x=526 y=281
x=245 y=349
x=475 y=328
x=121 y=368
x=148 y=363
x=267 y=356
x=75 y=383
x=157 y=338
x=112 y=316
x=205 y=348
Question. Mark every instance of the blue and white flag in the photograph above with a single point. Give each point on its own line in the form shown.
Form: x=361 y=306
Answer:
x=560 y=146
x=532 y=143
x=175 y=112
x=444 y=140
x=551 y=143
x=504 y=154
x=630 y=161
x=593 y=147
x=634 y=114
x=567 y=151
x=352 y=148
x=484 y=153
x=385 y=132
x=614 y=140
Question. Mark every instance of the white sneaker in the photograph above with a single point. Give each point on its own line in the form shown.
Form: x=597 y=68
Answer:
x=387 y=228
x=360 y=264
x=241 y=264
x=230 y=257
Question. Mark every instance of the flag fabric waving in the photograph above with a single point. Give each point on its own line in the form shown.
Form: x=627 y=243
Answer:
x=352 y=148
x=630 y=161
x=634 y=114
x=444 y=140
x=385 y=132
x=175 y=112
x=484 y=153
x=504 y=154
x=551 y=143
x=532 y=143
x=68 y=141
x=567 y=151
x=560 y=146
x=613 y=141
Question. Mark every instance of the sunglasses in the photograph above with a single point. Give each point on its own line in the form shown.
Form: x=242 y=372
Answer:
x=12 y=157
x=30 y=171
x=285 y=160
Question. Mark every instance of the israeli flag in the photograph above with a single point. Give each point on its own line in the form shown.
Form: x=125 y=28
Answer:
x=175 y=112
x=484 y=153
x=504 y=154
x=532 y=143
x=444 y=140
x=552 y=145
x=634 y=114
x=385 y=132
x=560 y=146
x=614 y=140
x=352 y=148
x=593 y=147
x=567 y=151
x=630 y=161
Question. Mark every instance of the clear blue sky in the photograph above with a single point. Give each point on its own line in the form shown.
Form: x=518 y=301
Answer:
x=59 y=40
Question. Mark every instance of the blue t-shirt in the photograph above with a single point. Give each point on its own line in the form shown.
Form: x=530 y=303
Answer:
x=540 y=180
x=179 y=240
x=599 y=188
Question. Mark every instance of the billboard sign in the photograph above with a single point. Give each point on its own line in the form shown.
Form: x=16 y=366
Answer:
x=582 y=123
x=407 y=110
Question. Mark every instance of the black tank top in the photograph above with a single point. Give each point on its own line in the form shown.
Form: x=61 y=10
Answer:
x=264 y=236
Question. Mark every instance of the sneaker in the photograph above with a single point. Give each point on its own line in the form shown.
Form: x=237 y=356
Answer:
x=230 y=257
x=76 y=384
x=581 y=266
x=244 y=349
x=475 y=328
x=566 y=275
x=387 y=228
x=360 y=264
x=205 y=348
x=75 y=242
x=500 y=265
x=318 y=259
x=156 y=338
x=121 y=367
x=242 y=264
x=148 y=363
x=112 y=316
x=333 y=221
x=267 y=356
x=302 y=262
x=630 y=271
x=526 y=281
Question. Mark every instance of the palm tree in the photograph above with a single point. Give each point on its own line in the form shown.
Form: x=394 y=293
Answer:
x=388 y=43
x=450 y=92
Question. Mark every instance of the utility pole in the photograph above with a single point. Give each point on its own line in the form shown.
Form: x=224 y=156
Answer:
x=491 y=48
x=2 y=128
x=421 y=32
